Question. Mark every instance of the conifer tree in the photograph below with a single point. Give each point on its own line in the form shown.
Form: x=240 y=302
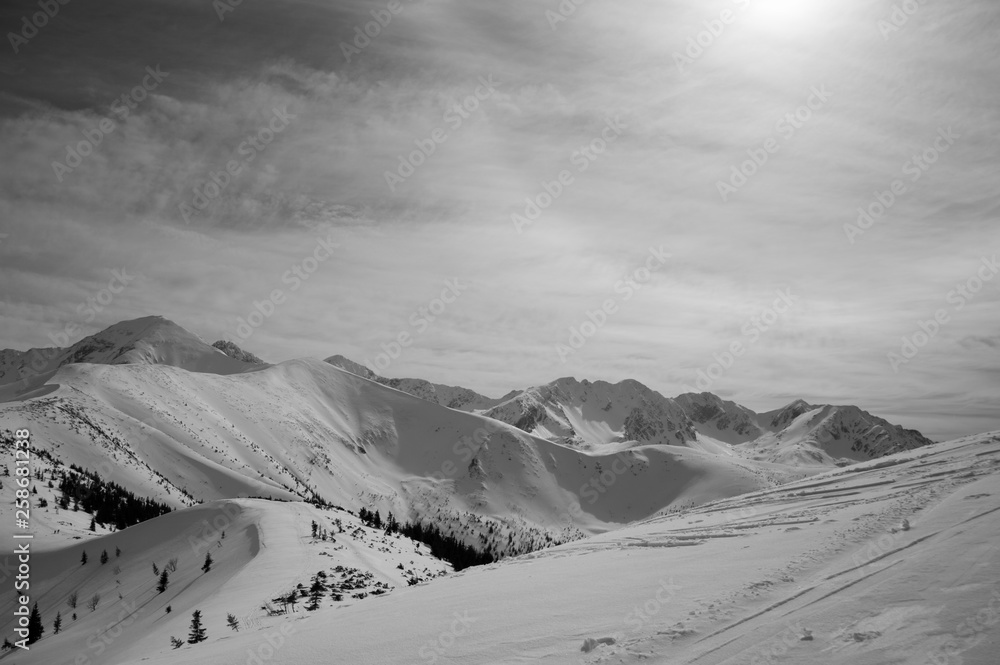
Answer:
x=35 y=627
x=83 y=559
x=316 y=592
x=57 y=624
x=197 y=630
x=233 y=622
x=164 y=580
x=208 y=563
x=104 y=557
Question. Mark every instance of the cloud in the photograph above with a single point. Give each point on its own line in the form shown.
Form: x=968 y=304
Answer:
x=355 y=118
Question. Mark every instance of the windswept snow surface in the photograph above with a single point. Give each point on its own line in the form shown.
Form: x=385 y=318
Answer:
x=817 y=571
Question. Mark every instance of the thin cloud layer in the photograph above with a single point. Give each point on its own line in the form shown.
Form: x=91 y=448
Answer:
x=537 y=161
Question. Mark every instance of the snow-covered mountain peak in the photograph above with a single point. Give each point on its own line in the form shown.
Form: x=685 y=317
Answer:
x=150 y=340
x=593 y=414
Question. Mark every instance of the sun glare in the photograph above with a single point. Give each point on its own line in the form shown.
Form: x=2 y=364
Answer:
x=784 y=15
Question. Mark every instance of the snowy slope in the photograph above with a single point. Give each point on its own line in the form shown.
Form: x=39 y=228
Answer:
x=304 y=428
x=149 y=340
x=453 y=397
x=818 y=571
x=592 y=415
x=260 y=550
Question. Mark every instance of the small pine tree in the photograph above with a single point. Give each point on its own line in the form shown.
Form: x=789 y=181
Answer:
x=104 y=557
x=93 y=524
x=83 y=559
x=233 y=622
x=208 y=563
x=315 y=528
x=118 y=552
x=176 y=643
x=197 y=630
x=168 y=609
x=35 y=627
x=164 y=580
x=57 y=624
x=316 y=592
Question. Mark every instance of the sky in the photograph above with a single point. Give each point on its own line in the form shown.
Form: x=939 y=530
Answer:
x=665 y=191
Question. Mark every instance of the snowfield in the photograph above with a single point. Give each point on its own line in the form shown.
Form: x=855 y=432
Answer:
x=630 y=527
x=816 y=571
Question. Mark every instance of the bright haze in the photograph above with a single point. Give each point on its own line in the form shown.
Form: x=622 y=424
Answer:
x=539 y=161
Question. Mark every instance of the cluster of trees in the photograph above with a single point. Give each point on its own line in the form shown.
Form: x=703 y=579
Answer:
x=374 y=520
x=443 y=546
x=35 y=629
x=446 y=547
x=109 y=502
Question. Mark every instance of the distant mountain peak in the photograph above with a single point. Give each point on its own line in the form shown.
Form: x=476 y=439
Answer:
x=150 y=340
x=233 y=351
x=592 y=414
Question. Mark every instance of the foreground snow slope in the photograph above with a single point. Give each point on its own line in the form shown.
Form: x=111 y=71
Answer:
x=260 y=550
x=741 y=580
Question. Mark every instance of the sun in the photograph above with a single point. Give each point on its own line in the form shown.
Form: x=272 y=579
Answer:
x=783 y=15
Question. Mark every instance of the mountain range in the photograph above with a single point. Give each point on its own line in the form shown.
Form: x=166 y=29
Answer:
x=583 y=476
